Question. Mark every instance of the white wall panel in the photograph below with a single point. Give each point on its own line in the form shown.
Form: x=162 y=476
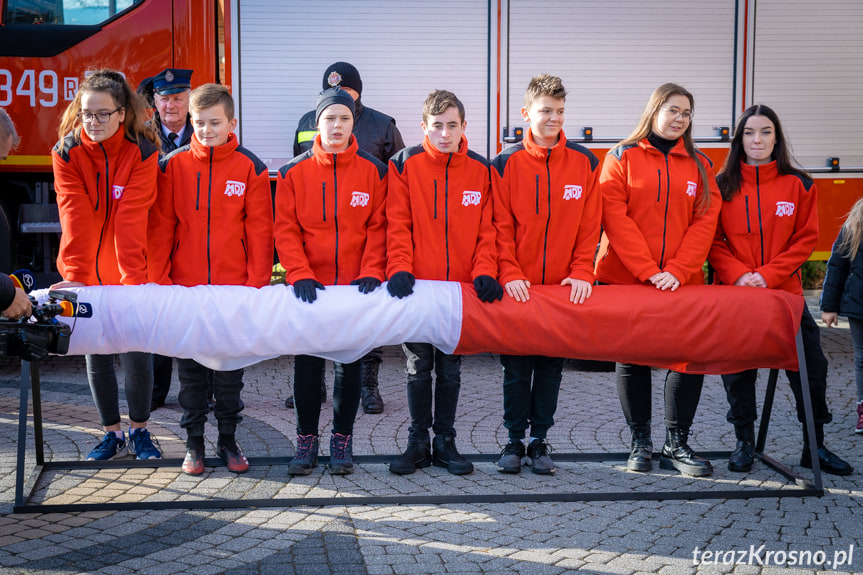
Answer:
x=809 y=68
x=403 y=51
x=612 y=55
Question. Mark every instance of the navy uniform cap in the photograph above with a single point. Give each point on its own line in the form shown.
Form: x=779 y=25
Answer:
x=172 y=80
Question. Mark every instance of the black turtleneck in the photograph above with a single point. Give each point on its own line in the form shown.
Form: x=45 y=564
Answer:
x=661 y=143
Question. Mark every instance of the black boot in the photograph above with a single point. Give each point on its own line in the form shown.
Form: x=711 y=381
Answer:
x=446 y=455
x=743 y=456
x=829 y=461
x=371 y=398
x=416 y=456
x=641 y=450
x=676 y=454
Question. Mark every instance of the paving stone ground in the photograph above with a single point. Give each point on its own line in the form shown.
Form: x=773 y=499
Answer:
x=609 y=537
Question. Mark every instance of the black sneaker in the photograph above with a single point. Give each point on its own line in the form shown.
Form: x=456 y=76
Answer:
x=416 y=456
x=232 y=454
x=511 y=457
x=446 y=455
x=538 y=457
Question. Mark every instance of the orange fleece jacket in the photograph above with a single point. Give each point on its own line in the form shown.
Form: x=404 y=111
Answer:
x=547 y=210
x=650 y=216
x=439 y=215
x=769 y=227
x=213 y=219
x=104 y=191
x=330 y=216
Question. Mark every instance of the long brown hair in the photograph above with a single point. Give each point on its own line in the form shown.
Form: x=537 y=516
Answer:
x=645 y=126
x=729 y=183
x=852 y=231
x=113 y=83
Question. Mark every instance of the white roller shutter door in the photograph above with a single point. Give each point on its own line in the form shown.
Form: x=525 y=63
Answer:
x=612 y=55
x=403 y=50
x=808 y=66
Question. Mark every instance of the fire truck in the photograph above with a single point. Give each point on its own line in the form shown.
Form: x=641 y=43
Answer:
x=803 y=58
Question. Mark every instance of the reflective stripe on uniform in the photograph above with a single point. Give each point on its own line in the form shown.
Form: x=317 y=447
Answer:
x=306 y=136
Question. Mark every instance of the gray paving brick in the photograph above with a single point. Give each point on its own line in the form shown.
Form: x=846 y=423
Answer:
x=622 y=537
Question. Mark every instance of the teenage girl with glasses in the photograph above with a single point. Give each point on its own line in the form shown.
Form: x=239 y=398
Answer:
x=105 y=177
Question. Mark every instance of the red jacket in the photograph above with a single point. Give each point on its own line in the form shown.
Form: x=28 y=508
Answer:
x=213 y=219
x=769 y=227
x=330 y=216
x=102 y=189
x=547 y=211
x=650 y=216
x=439 y=215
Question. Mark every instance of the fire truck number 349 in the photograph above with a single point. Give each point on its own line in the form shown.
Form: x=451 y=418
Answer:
x=44 y=85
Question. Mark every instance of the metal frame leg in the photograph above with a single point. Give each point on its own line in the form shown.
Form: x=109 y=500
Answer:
x=29 y=382
x=807 y=410
x=766 y=410
x=816 y=484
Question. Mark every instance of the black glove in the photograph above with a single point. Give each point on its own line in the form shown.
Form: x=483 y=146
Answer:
x=487 y=288
x=367 y=285
x=306 y=290
x=401 y=284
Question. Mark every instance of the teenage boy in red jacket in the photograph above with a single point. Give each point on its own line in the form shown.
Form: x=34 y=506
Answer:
x=547 y=212
x=440 y=227
x=212 y=224
x=330 y=230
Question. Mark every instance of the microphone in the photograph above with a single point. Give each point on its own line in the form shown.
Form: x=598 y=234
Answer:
x=23 y=279
x=69 y=304
x=75 y=309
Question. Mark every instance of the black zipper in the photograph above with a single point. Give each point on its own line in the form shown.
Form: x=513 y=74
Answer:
x=658 y=185
x=548 y=217
x=336 y=215
x=198 y=193
x=446 y=213
x=107 y=211
x=209 y=212
x=324 y=199
x=537 y=194
x=665 y=219
x=98 y=197
x=748 y=225
x=435 y=199
x=758 y=197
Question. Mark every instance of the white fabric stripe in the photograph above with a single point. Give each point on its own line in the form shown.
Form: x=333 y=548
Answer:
x=229 y=327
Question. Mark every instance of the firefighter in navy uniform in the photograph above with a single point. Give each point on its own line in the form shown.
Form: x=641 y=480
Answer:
x=170 y=96
x=171 y=89
x=377 y=134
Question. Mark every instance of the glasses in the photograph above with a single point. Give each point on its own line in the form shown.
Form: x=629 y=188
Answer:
x=102 y=117
x=678 y=114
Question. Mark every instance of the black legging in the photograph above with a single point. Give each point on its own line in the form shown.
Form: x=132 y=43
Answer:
x=682 y=392
x=308 y=371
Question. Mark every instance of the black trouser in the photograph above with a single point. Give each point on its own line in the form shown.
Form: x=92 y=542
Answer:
x=431 y=409
x=194 y=383
x=531 y=385
x=162 y=370
x=682 y=392
x=740 y=387
x=374 y=357
x=308 y=371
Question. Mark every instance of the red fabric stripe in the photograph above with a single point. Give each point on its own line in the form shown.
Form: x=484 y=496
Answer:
x=697 y=329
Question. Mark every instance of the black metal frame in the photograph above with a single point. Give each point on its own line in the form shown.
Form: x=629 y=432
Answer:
x=30 y=379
